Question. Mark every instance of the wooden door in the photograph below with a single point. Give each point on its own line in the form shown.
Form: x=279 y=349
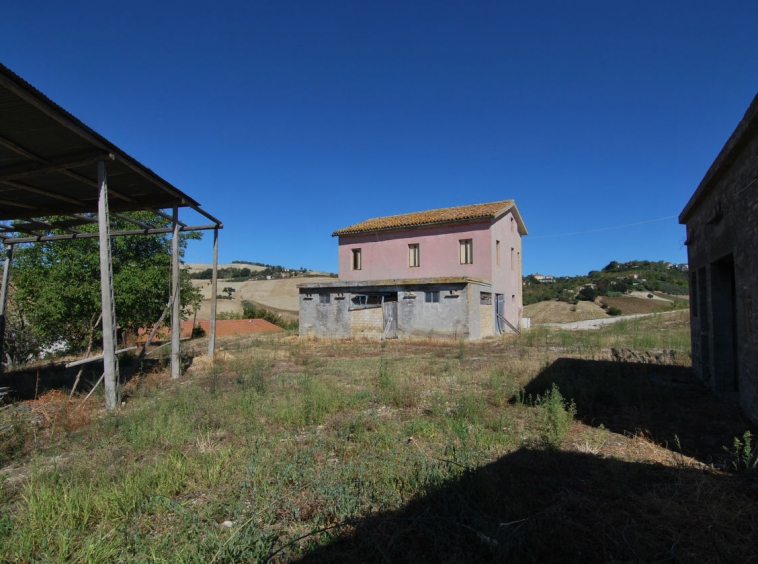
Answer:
x=389 y=310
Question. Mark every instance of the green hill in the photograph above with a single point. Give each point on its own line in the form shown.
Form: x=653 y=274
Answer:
x=614 y=279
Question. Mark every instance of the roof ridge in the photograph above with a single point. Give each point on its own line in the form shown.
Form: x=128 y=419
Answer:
x=428 y=217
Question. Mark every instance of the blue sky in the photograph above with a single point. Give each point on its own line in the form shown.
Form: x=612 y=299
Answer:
x=288 y=120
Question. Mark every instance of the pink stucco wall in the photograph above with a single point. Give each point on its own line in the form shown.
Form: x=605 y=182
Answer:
x=507 y=278
x=385 y=254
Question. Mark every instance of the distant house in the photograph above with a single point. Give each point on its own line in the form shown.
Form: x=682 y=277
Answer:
x=452 y=272
x=543 y=278
x=722 y=248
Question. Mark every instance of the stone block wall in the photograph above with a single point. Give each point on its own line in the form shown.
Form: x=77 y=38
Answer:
x=722 y=243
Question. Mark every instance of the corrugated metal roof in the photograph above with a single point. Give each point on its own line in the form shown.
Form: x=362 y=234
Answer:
x=48 y=161
x=434 y=217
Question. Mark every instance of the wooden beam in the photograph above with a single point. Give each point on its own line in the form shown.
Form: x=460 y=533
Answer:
x=206 y=214
x=17 y=204
x=166 y=216
x=15 y=229
x=132 y=220
x=110 y=362
x=98 y=357
x=34 y=222
x=176 y=316
x=41 y=192
x=53 y=167
x=214 y=299
x=3 y=301
x=83 y=235
x=8 y=144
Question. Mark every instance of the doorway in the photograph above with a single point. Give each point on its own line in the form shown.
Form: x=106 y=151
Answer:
x=500 y=312
x=724 y=325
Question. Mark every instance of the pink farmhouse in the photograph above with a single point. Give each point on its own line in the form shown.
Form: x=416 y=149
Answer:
x=448 y=272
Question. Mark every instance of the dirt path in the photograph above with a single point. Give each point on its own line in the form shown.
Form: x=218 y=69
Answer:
x=598 y=323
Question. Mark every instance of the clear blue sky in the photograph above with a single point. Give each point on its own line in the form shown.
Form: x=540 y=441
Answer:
x=288 y=120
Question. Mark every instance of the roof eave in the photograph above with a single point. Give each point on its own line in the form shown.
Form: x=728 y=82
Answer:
x=341 y=233
x=743 y=133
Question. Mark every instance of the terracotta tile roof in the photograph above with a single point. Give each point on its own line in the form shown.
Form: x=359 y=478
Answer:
x=430 y=217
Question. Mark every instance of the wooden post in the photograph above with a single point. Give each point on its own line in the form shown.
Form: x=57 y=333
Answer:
x=110 y=362
x=214 y=292
x=4 y=300
x=176 y=315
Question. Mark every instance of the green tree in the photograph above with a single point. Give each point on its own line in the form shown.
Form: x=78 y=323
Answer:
x=56 y=284
x=588 y=294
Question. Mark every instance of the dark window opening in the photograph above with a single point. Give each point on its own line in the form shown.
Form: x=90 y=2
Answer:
x=432 y=297
x=324 y=298
x=372 y=300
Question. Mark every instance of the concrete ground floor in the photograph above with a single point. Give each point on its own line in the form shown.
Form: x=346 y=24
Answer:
x=458 y=308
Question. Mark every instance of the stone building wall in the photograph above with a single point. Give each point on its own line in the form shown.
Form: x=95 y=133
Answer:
x=722 y=244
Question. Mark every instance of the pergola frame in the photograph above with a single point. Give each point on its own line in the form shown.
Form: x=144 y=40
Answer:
x=43 y=188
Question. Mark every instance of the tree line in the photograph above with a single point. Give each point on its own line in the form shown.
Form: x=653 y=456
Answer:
x=54 y=296
x=614 y=279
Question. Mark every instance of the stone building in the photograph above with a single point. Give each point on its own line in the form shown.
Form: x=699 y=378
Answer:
x=722 y=247
x=452 y=272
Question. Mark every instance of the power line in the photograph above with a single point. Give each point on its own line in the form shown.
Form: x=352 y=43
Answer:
x=604 y=228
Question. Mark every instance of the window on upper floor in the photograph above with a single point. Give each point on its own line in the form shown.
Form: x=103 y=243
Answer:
x=357 y=261
x=497 y=253
x=467 y=251
x=414 y=257
x=513 y=258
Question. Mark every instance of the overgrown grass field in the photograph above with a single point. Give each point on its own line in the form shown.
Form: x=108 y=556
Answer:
x=553 y=446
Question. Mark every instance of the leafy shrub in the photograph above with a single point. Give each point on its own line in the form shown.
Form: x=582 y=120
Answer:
x=198 y=331
x=744 y=453
x=555 y=416
x=251 y=311
x=587 y=294
x=614 y=311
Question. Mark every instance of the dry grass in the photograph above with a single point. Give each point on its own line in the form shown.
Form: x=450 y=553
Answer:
x=561 y=312
x=631 y=305
x=288 y=449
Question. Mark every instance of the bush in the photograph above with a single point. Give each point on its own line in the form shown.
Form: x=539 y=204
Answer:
x=555 y=416
x=587 y=294
x=613 y=311
x=251 y=311
x=198 y=331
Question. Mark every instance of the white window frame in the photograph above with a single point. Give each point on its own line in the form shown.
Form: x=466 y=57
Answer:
x=466 y=251
x=414 y=255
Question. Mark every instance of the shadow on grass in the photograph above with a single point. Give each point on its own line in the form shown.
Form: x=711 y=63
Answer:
x=666 y=403
x=29 y=383
x=555 y=506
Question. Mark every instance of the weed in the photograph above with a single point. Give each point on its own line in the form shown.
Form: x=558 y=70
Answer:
x=15 y=436
x=744 y=453
x=502 y=387
x=555 y=416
